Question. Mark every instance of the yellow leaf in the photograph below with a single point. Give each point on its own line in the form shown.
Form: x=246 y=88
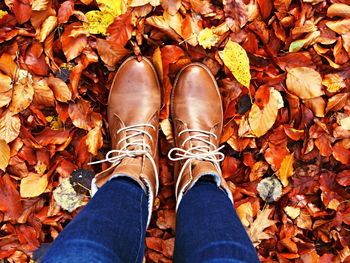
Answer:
x=207 y=38
x=245 y=213
x=292 y=212
x=33 y=185
x=345 y=123
x=4 y=155
x=236 y=59
x=286 y=169
x=98 y=22
x=115 y=7
x=2 y=13
x=334 y=82
x=261 y=120
x=304 y=82
x=165 y=125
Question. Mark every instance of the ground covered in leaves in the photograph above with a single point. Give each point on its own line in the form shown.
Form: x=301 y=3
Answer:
x=282 y=67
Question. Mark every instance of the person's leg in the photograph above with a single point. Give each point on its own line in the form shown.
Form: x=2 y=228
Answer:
x=111 y=228
x=208 y=229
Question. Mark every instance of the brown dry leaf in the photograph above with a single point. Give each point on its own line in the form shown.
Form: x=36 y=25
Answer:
x=73 y=46
x=82 y=115
x=317 y=105
x=7 y=65
x=43 y=95
x=304 y=82
x=190 y=30
x=22 y=97
x=245 y=213
x=258 y=170
x=33 y=185
x=160 y=23
x=340 y=26
x=167 y=129
x=262 y=221
x=4 y=155
x=286 y=169
x=135 y=3
x=171 y=6
x=94 y=140
x=110 y=52
x=60 y=89
x=339 y=9
x=174 y=21
x=261 y=120
x=46 y=28
x=10 y=126
x=337 y=102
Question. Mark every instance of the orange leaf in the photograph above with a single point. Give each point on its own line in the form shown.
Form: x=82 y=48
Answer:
x=82 y=115
x=60 y=89
x=120 y=30
x=324 y=145
x=94 y=140
x=7 y=65
x=9 y=126
x=65 y=11
x=49 y=136
x=110 y=52
x=4 y=154
x=286 y=169
x=21 y=98
x=341 y=154
x=73 y=46
x=22 y=10
x=304 y=82
x=5 y=83
x=33 y=185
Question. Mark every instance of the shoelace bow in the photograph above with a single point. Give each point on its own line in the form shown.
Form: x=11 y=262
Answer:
x=202 y=152
x=137 y=143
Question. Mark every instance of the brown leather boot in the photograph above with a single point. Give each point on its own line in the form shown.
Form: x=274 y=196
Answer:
x=197 y=114
x=133 y=117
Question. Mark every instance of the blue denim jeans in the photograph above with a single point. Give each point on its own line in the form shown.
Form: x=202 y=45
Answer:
x=112 y=228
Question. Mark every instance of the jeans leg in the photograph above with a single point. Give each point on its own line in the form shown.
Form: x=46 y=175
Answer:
x=209 y=230
x=111 y=228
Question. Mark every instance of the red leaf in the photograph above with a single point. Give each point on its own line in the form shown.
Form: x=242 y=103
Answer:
x=49 y=136
x=265 y=8
x=65 y=11
x=36 y=64
x=343 y=178
x=341 y=154
x=10 y=202
x=120 y=30
x=22 y=10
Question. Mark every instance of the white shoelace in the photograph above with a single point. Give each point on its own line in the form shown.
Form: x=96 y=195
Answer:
x=203 y=152
x=138 y=143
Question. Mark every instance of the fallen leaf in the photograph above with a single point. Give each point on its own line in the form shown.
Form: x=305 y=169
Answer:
x=33 y=185
x=304 y=82
x=4 y=155
x=340 y=26
x=22 y=97
x=110 y=52
x=262 y=221
x=60 y=89
x=334 y=82
x=171 y=6
x=94 y=140
x=339 y=9
x=245 y=213
x=46 y=28
x=115 y=8
x=236 y=59
x=73 y=46
x=341 y=154
x=98 y=22
x=207 y=38
x=66 y=197
x=292 y=212
x=10 y=202
x=286 y=169
x=261 y=120
x=345 y=123
x=9 y=126
x=270 y=189
x=65 y=11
